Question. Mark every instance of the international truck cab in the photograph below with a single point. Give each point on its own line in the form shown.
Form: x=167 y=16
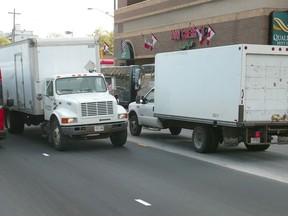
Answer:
x=80 y=106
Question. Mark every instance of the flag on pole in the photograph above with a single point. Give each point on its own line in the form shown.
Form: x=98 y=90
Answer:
x=147 y=45
x=200 y=35
x=210 y=34
x=105 y=47
x=153 y=41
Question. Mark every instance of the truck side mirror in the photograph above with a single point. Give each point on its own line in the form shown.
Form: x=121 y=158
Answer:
x=143 y=100
x=10 y=102
x=138 y=98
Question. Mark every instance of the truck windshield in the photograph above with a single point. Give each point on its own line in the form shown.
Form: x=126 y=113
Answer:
x=74 y=85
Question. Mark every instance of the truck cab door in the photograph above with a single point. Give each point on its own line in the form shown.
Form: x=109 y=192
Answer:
x=49 y=103
x=146 y=111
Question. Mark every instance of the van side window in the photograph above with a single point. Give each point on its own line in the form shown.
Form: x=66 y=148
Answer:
x=150 y=97
x=49 y=88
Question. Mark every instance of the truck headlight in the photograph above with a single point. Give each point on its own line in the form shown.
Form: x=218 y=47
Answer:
x=123 y=116
x=68 y=120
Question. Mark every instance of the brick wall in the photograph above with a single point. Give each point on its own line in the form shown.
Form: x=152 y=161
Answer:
x=251 y=30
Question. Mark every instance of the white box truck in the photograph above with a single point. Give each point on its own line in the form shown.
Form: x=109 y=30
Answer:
x=228 y=94
x=53 y=83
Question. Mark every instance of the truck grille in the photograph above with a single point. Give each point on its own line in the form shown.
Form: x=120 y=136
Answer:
x=97 y=108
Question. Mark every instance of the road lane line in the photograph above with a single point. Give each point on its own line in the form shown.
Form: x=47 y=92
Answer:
x=143 y=202
x=142 y=145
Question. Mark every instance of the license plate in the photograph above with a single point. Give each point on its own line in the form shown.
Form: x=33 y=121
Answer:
x=99 y=128
x=255 y=140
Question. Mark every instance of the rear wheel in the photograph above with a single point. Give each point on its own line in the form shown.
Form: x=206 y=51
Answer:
x=214 y=140
x=175 y=130
x=119 y=138
x=201 y=139
x=14 y=122
x=135 y=128
x=58 y=139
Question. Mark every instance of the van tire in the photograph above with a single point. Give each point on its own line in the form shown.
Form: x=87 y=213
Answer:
x=175 y=130
x=135 y=128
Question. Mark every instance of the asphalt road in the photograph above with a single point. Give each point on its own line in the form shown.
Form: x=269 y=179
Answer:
x=154 y=174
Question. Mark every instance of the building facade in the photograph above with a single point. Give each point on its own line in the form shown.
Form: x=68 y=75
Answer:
x=144 y=28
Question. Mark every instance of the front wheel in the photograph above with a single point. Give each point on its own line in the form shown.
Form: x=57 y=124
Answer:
x=135 y=128
x=58 y=139
x=119 y=138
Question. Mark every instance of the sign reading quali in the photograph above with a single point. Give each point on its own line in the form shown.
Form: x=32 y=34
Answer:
x=279 y=28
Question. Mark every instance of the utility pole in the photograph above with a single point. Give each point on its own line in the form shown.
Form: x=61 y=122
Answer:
x=13 y=31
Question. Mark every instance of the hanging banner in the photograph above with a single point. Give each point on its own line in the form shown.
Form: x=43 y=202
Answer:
x=279 y=28
x=124 y=53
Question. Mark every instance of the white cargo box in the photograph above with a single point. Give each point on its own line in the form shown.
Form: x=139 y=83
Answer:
x=227 y=85
x=26 y=63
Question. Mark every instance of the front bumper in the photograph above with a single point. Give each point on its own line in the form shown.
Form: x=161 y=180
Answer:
x=94 y=129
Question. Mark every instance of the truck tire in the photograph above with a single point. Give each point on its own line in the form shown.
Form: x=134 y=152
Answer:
x=10 y=122
x=14 y=122
x=19 y=123
x=175 y=130
x=201 y=139
x=214 y=140
x=119 y=138
x=58 y=139
x=257 y=147
x=135 y=128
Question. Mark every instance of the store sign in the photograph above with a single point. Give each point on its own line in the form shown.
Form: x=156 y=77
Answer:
x=279 y=31
x=187 y=46
x=182 y=34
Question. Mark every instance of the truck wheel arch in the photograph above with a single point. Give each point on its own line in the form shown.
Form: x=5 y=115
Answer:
x=58 y=139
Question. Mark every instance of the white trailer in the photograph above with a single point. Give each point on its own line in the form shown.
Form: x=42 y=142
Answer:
x=50 y=82
x=227 y=94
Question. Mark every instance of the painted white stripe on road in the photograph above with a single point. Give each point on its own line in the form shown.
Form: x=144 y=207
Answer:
x=46 y=155
x=142 y=202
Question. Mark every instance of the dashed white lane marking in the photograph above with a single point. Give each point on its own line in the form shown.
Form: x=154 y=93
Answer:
x=142 y=145
x=143 y=202
x=46 y=155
